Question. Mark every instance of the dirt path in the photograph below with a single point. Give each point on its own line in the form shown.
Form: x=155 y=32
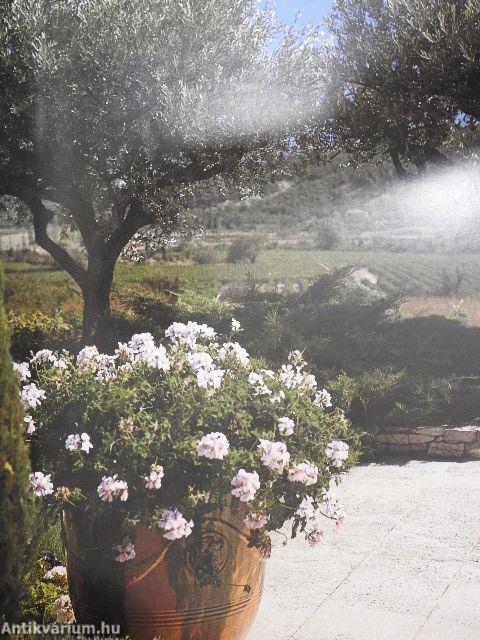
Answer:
x=406 y=566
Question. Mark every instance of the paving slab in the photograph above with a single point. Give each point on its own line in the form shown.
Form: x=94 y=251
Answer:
x=405 y=566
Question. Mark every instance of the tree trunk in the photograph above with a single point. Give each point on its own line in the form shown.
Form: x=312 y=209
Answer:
x=97 y=329
x=397 y=163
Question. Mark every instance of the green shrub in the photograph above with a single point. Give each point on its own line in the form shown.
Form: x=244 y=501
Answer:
x=328 y=237
x=396 y=372
x=244 y=249
x=16 y=507
x=386 y=398
x=29 y=256
x=29 y=331
x=38 y=602
x=337 y=321
x=204 y=255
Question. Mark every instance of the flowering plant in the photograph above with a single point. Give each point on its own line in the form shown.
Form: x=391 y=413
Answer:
x=161 y=434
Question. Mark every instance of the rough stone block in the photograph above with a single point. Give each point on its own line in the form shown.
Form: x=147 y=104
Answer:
x=430 y=431
x=420 y=439
x=392 y=438
x=473 y=452
x=465 y=434
x=446 y=450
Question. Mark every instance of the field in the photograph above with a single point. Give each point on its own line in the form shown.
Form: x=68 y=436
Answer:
x=435 y=283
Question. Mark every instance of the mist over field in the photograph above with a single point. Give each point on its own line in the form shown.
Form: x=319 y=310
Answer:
x=447 y=199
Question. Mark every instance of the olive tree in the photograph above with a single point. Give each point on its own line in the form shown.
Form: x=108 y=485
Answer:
x=116 y=114
x=403 y=74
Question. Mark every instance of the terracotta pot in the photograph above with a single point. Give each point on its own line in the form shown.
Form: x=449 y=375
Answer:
x=205 y=587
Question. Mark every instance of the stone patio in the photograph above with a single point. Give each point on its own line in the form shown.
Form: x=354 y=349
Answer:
x=406 y=565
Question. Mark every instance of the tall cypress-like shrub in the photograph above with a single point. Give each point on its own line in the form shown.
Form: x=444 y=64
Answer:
x=16 y=505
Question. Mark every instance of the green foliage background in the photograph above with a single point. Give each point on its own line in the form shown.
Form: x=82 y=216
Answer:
x=16 y=507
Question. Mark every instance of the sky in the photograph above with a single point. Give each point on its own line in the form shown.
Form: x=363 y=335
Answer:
x=311 y=10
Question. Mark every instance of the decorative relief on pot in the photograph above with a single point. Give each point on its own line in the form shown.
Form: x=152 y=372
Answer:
x=209 y=557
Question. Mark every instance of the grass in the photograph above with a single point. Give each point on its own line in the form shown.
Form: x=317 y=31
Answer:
x=407 y=273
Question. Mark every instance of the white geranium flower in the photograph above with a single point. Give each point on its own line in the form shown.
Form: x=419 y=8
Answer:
x=177 y=332
x=56 y=574
x=323 y=399
x=296 y=358
x=256 y=520
x=236 y=326
x=77 y=442
x=309 y=382
x=234 y=350
x=86 y=445
x=315 y=536
x=331 y=507
x=210 y=379
x=290 y=376
x=303 y=472
x=202 y=331
x=72 y=443
x=175 y=525
x=44 y=356
x=274 y=455
x=306 y=508
x=86 y=358
x=294 y=378
x=141 y=342
x=154 y=480
x=105 y=368
x=198 y=360
x=125 y=552
x=124 y=353
x=41 y=484
x=157 y=358
x=214 y=446
x=64 y=610
x=30 y=424
x=31 y=396
x=257 y=382
x=286 y=426
x=141 y=349
x=245 y=485
x=187 y=334
x=337 y=451
x=111 y=487
x=22 y=370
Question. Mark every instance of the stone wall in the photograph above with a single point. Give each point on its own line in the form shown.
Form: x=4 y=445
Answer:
x=430 y=442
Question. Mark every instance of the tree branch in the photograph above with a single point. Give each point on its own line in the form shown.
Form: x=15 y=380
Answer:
x=135 y=219
x=41 y=217
x=82 y=212
x=198 y=171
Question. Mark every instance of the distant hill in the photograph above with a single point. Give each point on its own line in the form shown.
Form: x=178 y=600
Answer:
x=367 y=208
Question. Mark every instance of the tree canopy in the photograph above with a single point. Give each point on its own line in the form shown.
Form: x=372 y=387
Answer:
x=404 y=76
x=115 y=113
